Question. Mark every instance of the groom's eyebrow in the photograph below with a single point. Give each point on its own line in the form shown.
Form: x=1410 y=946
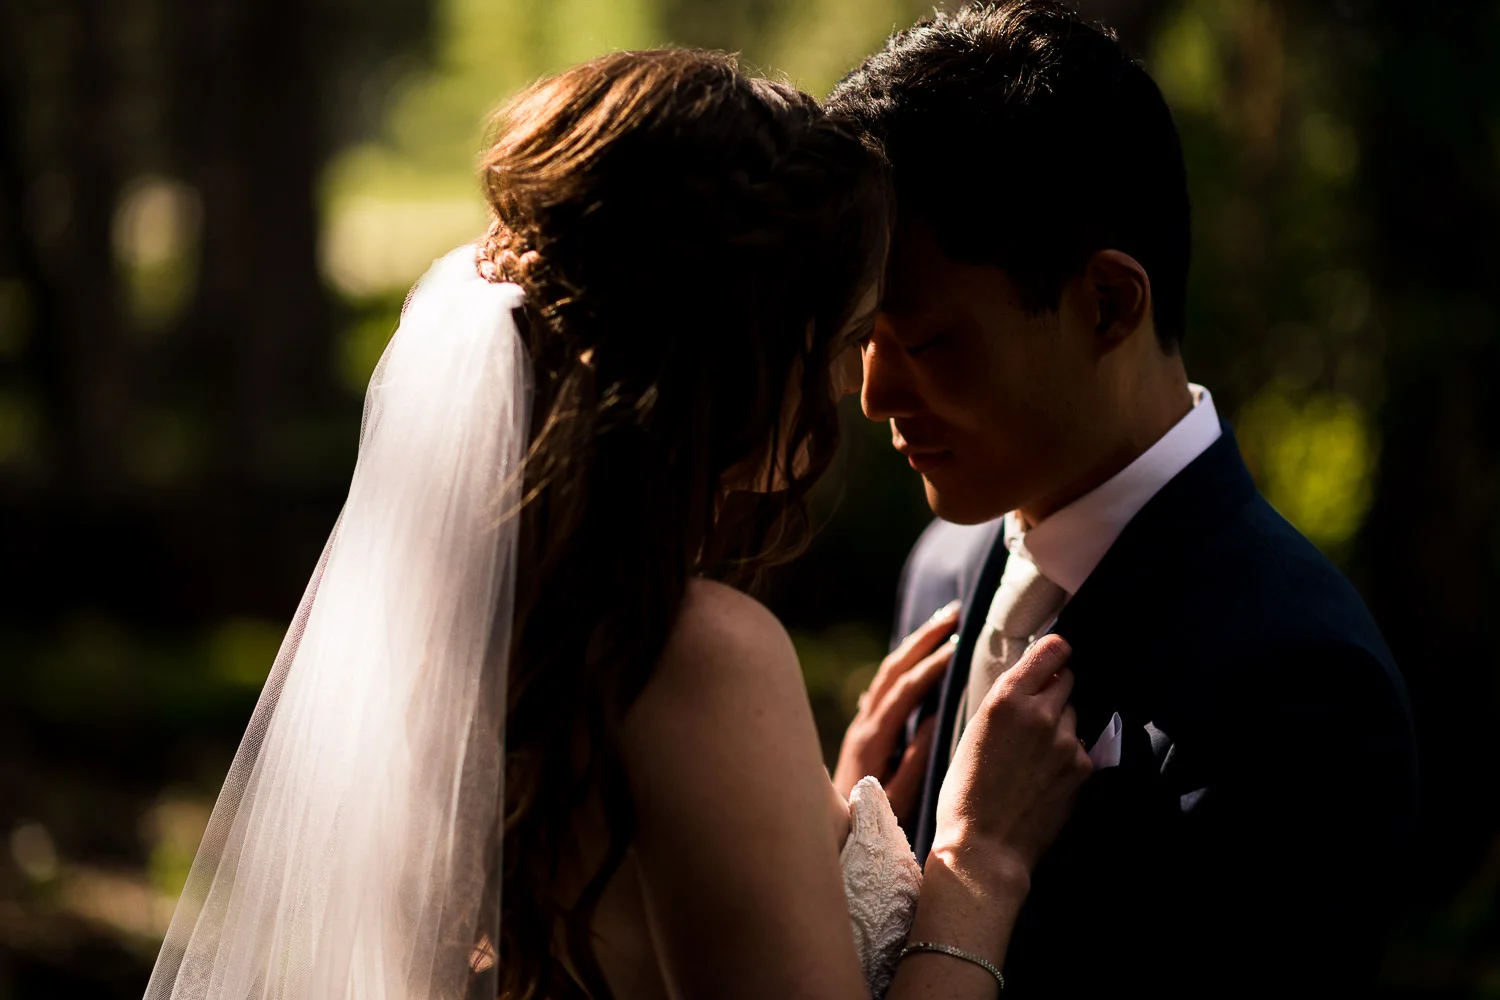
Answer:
x=903 y=307
x=910 y=309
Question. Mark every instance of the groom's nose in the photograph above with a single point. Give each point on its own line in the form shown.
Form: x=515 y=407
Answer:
x=888 y=391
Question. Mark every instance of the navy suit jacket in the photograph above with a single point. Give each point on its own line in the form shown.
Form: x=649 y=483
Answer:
x=1254 y=830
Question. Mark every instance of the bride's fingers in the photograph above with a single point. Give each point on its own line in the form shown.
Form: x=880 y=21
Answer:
x=1067 y=724
x=1081 y=765
x=1035 y=670
x=906 y=783
x=908 y=690
x=1057 y=691
x=914 y=648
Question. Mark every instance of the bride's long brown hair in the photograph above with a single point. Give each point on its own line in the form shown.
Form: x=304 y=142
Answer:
x=692 y=243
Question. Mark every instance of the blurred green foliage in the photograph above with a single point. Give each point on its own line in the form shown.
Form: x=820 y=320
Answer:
x=209 y=217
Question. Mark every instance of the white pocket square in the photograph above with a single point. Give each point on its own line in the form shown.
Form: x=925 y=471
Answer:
x=1106 y=749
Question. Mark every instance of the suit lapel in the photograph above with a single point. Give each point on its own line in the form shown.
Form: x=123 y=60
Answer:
x=1102 y=618
x=955 y=679
x=1110 y=621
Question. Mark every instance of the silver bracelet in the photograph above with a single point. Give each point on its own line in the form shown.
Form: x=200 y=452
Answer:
x=967 y=956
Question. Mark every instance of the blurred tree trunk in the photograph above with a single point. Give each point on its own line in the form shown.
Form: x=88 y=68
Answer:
x=1431 y=548
x=58 y=240
x=250 y=129
x=243 y=101
x=254 y=361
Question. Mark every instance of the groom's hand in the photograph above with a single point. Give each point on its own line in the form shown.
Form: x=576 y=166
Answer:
x=903 y=678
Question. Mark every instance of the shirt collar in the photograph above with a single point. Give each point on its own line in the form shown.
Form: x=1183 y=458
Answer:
x=1067 y=546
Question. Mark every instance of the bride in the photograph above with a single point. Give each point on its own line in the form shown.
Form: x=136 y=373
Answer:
x=526 y=737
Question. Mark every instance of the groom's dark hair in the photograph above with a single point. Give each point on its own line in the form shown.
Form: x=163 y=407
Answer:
x=1027 y=139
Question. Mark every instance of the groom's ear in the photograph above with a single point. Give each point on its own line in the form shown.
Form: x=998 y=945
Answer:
x=1119 y=292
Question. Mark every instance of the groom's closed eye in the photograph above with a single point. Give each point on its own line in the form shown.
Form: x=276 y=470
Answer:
x=917 y=348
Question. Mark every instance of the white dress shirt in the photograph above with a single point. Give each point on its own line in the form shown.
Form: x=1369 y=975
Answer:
x=1068 y=545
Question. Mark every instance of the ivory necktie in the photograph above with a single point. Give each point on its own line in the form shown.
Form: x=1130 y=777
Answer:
x=1024 y=603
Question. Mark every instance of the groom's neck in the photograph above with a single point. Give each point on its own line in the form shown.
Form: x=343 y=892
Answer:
x=1151 y=402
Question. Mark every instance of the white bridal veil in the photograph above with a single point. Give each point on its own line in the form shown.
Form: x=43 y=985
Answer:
x=354 y=850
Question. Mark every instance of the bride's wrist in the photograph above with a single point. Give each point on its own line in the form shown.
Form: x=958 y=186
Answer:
x=993 y=869
x=969 y=905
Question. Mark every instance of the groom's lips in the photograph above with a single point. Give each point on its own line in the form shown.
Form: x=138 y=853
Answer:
x=926 y=461
x=923 y=459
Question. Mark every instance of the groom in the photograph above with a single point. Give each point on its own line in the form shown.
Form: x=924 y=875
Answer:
x=1255 y=775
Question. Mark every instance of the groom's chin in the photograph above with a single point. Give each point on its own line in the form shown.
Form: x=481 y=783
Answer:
x=951 y=502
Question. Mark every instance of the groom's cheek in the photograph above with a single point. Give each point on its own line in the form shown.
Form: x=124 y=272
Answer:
x=960 y=373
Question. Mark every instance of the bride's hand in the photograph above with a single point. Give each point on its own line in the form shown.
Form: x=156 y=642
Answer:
x=1017 y=770
x=903 y=678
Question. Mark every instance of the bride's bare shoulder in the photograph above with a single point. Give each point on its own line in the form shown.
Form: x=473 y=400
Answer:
x=725 y=647
x=715 y=612
x=727 y=708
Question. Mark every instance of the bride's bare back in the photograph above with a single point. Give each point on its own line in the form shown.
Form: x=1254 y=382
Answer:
x=736 y=854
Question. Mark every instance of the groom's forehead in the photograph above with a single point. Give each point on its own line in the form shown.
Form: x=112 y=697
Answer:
x=913 y=300
x=921 y=317
x=912 y=309
x=917 y=275
x=924 y=286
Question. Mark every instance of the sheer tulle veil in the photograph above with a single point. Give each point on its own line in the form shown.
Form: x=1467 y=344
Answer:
x=354 y=851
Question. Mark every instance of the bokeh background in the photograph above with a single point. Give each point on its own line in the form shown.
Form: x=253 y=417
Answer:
x=211 y=209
